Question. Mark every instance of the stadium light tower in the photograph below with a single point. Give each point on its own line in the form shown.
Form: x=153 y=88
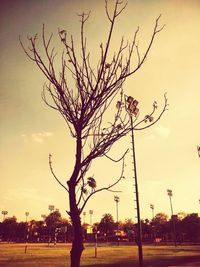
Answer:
x=4 y=212
x=116 y=199
x=26 y=214
x=153 y=230
x=131 y=106
x=169 y=192
x=152 y=208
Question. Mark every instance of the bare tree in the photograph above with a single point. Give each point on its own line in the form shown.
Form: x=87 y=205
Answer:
x=84 y=106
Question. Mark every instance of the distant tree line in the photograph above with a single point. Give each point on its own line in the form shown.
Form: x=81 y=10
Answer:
x=51 y=229
x=54 y=229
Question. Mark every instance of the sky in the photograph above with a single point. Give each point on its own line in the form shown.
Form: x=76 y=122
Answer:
x=166 y=154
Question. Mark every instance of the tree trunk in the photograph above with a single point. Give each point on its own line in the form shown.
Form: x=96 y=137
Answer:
x=77 y=244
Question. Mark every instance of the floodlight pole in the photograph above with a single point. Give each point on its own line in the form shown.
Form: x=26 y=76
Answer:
x=169 y=192
x=137 y=198
x=26 y=214
x=152 y=208
x=27 y=232
x=4 y=213
x=116 y=199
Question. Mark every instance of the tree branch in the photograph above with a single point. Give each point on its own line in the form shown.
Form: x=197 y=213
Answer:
x=158 y=118
x=108 y=188
x=50 y=165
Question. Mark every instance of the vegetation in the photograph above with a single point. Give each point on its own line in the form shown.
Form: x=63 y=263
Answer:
x=55 y=228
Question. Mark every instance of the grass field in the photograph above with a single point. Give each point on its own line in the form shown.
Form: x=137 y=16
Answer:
x=123 y=256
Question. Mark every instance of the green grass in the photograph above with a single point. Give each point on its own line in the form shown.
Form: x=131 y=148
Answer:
x=41 y=255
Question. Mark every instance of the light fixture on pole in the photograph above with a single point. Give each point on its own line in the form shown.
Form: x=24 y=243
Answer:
x=169 y=192
x=116 y=199
x=51 y=208
x=131 y=106
x=4 y=213
x=91 y=213
x=26 y=214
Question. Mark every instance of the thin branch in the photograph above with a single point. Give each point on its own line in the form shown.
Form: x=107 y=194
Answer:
x=114 y=160
x=50 y=165
x=160 y=115
x=108 y=188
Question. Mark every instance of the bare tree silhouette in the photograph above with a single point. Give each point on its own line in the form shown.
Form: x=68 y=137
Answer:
x=83 y=107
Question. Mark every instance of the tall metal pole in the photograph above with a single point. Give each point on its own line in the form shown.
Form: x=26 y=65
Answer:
x=152 y=208
x=27 y=232
x=116 y=199
x=169 y=192
x=137 y=199
x=26 y=214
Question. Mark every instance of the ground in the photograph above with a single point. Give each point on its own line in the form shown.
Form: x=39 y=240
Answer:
x=42 y=255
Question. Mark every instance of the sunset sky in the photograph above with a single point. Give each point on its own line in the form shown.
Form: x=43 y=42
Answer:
x=166 y=153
